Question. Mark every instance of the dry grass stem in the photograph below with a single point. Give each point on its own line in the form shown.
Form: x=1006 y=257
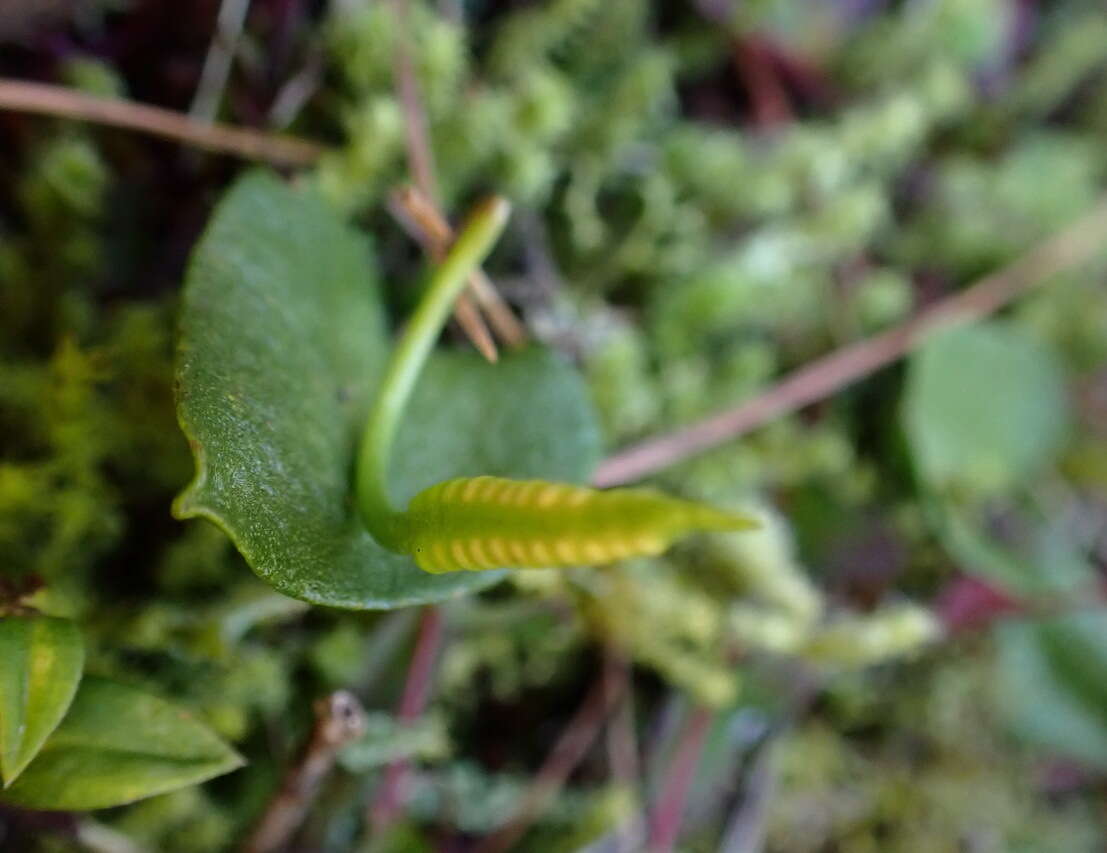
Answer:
x=58 y=101
x=825 y=376
x=420 y=218
x=339 y=719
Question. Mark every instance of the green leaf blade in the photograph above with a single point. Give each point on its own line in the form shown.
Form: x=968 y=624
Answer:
x=41 y=661
x=1050 y=683
x=282 y=340
x=985 y=408
x=117 y=745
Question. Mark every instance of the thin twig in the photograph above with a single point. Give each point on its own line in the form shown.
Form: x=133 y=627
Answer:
x=567 y=753
x=823 y=377
x=622 y=745
x=44 y=99
x=386 y=806
x=669 y=810
x=745 y=831
x=622 y=750
x=417 y=213
x=339 y=719
x=747 y=825
x=633 y=832
x=217 y=64
x=465 y=312
x=768 y=97
x=662 y=732
x=297 y=91
x=419 y=155
x=420 y=160
x=468 y=317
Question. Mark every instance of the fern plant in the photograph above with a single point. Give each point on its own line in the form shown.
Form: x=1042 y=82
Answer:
x=489 y=522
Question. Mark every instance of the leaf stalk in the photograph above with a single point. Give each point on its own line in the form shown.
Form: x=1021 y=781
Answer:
x=477 y=237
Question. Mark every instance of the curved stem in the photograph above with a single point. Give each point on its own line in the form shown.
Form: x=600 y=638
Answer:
x=475 y=241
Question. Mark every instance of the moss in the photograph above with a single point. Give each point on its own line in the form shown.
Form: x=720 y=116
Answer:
x=697 y=256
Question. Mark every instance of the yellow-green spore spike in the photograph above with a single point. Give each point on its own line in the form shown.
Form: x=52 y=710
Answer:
x=491 y=522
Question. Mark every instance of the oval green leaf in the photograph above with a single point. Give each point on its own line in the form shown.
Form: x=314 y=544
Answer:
x=985 y=408
x=41 y=660
x=281 y=341
x=117 y=745
x=1051 y=685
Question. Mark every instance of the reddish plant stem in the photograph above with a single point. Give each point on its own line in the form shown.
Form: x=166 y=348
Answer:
x=59 y=101
x=820 y=378
x=419 y=216
x=420 y=162
x=339 y=719
x=419 y=157
x=388 y=803
x=669 y=810
x=745 y=828
x=220 y=58
x=622 y=745
x=400 y=205
x=970 y=604
x=567 y=753
x=622 y=751
x=755 y=64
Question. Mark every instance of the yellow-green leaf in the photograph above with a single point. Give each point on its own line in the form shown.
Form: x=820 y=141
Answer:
x=41 y=660
x=117 y=745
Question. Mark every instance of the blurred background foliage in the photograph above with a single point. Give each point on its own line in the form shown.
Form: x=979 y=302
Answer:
x=708 y=195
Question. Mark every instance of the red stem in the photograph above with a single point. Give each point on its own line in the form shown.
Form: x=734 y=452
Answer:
x=419 y=154
x=768 y=98
x=669 y=810
x=622 y=744
x=393 y=791
x=567 y=753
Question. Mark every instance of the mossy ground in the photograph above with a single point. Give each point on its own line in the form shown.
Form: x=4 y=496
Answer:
x=706 y=199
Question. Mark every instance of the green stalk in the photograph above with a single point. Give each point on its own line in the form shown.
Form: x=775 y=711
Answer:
x=473 y=244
